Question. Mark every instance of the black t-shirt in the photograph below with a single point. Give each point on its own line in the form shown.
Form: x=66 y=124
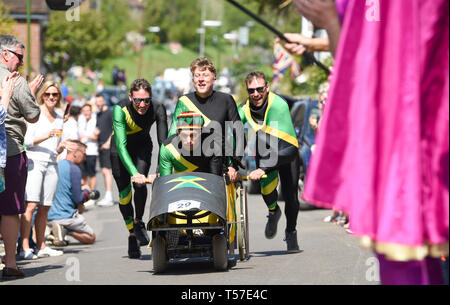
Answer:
x=221 y=108
x=105 y=125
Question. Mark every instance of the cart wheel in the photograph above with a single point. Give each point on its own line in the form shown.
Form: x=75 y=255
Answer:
x=242 y=224
x=219 y=248
x=239 y=233
x=159 y=254
x=246 y=230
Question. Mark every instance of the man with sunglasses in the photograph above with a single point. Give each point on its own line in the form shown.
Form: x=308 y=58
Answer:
x=271 y=125
x=131 y=154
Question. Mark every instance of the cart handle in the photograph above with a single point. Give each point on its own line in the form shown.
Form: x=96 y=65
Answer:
x=245 y=178
x=146 y=181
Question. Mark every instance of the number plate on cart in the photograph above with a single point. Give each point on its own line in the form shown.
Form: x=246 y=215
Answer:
x=183 y=205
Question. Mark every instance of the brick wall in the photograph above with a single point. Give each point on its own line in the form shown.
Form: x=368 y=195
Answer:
x=20 y=29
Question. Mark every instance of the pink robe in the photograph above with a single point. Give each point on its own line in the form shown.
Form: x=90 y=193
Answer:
x=382 y=151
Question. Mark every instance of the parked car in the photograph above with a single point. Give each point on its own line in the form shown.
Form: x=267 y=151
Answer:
x=114 y=95
x=165 y=92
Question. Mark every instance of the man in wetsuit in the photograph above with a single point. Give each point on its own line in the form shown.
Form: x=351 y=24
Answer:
x=182 y=152
x=131 y=156
x=218 y=110
x=270 y=121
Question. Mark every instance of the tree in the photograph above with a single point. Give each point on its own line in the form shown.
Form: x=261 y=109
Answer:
x=177 y=19
x=85 y=43
x=6 y=22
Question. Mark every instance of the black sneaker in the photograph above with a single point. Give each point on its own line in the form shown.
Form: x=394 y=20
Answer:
x=291 y=240
x=12 y=274
x=272 y=222
x=133 y=248
x=141 y=234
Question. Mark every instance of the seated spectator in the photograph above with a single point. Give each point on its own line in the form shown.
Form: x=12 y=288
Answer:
x=65 y=215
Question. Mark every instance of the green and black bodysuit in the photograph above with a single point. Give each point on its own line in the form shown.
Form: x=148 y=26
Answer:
x=276 y=152
x=174 y=159
x=218 y=110
x=132 y=153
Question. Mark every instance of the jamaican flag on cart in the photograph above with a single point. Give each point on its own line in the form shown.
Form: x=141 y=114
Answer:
x=276 y=141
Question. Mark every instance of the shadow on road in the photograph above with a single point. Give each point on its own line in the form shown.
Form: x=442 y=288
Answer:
x=192 y=266
x=30 y=272
x=272 y=253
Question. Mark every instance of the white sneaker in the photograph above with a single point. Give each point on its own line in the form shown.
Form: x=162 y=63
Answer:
x=105 y=202
x=47 y=251
x=28 y=254
x=89 y=203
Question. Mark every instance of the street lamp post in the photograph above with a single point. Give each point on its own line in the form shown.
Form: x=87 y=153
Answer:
x=213 y=24
x=28 y=37
x=201 y=30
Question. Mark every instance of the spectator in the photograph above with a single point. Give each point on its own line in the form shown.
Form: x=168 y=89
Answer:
x=70 y=129
x=87 y=126
x=6 y=90
x=22 y=108
x=65 y=215
x=104 y=132
x=115 y=75
x=43 y=141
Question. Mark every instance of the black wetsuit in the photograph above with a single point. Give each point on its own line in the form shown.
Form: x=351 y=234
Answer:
x=217 y=109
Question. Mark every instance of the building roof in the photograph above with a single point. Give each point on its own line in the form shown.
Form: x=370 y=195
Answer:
x=38 y=7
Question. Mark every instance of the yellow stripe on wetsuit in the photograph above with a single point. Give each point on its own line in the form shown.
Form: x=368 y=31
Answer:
x=189 y=166
x=134 y=128
x=265 y=128
x=190 y=105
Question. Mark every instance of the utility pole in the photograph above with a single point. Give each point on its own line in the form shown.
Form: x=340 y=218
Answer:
x=29 y=38
x=202 y=32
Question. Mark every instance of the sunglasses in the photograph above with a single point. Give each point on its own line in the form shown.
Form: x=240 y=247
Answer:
x=19 y=56
x=138 y=101
x=51 y=94
x=259 y=89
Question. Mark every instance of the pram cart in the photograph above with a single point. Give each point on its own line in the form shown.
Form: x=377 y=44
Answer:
x=195 y=215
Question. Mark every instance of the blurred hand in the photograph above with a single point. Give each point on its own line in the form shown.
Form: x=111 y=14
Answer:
x=139 y=179
x=233 y=174
x=54 y=133
x=256 y=174
x=299 y=43
x=8 y=85
x=322 y=13
x=151 y=178
x=106 y=145
x=66 y=117
x=81 y=208
x=35 y=84
x=69 y=145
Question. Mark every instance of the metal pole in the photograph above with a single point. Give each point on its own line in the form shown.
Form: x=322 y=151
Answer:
x=28 y=37
x=202 y=34
x=307 y=56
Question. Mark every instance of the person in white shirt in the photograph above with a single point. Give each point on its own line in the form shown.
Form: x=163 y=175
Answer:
x=70 y=128
x=43 y=144
x=87 y=125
